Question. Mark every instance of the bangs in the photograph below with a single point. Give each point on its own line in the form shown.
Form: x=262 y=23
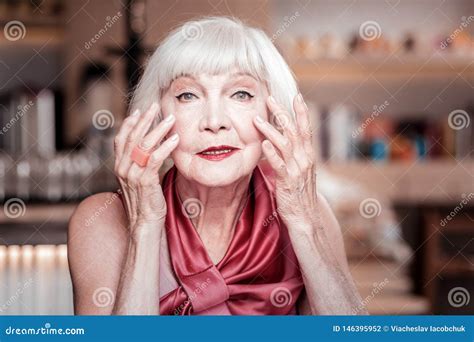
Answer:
x=212 y=50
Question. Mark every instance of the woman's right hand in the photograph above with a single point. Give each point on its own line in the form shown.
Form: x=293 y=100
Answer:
x=141 y=188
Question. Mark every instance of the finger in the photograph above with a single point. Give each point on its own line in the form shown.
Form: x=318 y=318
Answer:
x=282 y=143
x=282 y=119
x=141 y=127
x=159 y=156
x=304 y=124
x=135 y=137
x=274 y=159
x=120 y=139
x=152 y=139
x=302 y=144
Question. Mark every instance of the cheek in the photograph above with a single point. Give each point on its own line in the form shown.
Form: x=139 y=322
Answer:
x=242 y=119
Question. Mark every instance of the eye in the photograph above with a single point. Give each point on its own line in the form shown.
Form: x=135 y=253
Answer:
x=242 y=95
x=186 y=97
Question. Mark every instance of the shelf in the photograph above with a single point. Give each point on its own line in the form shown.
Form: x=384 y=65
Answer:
x=359 y=67
x=436 y=182
x=39 y=213
x=40 y=31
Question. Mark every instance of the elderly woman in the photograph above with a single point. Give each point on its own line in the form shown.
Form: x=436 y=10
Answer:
x=235 y=226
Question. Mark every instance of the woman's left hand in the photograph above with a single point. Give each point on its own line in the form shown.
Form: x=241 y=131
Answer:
x=292 y=156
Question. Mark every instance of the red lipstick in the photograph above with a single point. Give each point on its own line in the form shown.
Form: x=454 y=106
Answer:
x=216 y=153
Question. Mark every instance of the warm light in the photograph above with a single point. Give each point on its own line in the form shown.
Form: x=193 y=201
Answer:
x=27 y=252
x=61 y=251
x=3 y=252
x=45 y=251
x=14 y=253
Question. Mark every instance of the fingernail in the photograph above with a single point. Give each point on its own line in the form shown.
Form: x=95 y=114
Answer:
x=135 y=112
x=144 y=145
x=154 y=106
x=169 y=118
x=300 y=98
x=272 y=99
x=174 y=137
x=259 y=119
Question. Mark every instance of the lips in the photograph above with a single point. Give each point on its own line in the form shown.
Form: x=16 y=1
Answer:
x=217 y=152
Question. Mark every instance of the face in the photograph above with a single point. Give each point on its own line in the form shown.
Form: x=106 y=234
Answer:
x=215 y=113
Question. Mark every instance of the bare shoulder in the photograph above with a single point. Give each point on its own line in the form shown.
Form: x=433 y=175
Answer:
x=97 y=240
x=99 y=215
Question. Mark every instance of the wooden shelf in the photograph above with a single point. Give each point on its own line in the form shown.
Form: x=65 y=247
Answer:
x=356 y=67
x=39 y=31
x=441 y=182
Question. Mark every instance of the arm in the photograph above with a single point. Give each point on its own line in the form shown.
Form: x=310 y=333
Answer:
x=329 y=287
x=138 y=290
x=111 y=272
x=314 y=232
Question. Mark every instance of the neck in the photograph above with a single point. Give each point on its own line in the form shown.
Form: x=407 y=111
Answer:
x=221 y=206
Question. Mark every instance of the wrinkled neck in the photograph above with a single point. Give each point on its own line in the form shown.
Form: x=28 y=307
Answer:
x=218 y=207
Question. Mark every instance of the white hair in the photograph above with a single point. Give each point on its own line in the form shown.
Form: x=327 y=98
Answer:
x=215 y=45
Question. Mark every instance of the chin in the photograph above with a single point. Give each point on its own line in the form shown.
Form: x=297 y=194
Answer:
x=221 y=173
x=217 y=173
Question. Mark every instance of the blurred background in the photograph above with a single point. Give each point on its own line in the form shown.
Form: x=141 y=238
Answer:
x=390 y=86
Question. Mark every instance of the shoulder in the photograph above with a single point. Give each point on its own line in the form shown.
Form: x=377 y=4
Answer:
x=98 y=214
x=97 y=240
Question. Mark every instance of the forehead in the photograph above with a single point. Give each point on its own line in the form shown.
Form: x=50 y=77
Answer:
x=204 y=78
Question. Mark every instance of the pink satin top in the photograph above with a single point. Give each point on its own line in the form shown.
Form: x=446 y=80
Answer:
x=259 y=273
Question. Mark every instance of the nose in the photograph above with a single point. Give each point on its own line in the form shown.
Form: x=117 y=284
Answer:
x=214 y=117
